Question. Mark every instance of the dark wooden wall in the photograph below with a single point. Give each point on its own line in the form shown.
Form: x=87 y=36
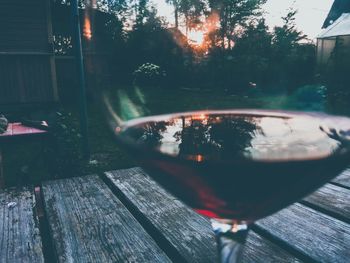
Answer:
x=27 y=68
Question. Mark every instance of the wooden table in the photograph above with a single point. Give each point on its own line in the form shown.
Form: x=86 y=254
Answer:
x=124 y=216
x=17 y=132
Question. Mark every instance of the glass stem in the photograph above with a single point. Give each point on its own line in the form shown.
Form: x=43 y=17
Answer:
x=230 y=240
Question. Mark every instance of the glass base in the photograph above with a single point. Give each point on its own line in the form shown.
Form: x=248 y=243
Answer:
x=230 y=237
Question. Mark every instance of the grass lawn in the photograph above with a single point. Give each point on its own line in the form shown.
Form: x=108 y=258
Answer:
x=152 y=101
x=105 y=153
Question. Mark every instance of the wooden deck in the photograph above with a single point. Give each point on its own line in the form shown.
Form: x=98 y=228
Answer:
x=124 y=216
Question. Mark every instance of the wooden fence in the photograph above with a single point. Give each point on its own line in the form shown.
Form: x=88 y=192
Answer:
x=27 y=68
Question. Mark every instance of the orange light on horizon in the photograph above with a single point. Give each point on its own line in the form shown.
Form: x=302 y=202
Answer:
x=196 y=38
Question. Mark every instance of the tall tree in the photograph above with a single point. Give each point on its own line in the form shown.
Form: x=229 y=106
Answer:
x=193 y=11
x=234 y=13
x=142 y=12
x=289 y=55
x=287 y=36
x=175 y=4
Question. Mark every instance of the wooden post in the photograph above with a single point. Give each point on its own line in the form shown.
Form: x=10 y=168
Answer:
x=82 y=89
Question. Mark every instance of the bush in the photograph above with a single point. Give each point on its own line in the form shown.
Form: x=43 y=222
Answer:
x=148 y=74
x=66 y=157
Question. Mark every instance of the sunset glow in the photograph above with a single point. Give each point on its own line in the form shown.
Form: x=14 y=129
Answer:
x=196 y=38
x=310 y=17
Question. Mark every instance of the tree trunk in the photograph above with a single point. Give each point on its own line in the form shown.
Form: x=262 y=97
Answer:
x=176 y=13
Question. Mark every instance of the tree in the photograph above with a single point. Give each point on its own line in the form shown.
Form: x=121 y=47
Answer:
x=152 y=42
x=142 y=12
x=288 y=54
x=192 y=10
x=175 y=4
x=287 y=36
x=252 y=52
x=234 y=13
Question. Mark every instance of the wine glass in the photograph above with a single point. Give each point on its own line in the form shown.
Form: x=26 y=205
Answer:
x=234 y=166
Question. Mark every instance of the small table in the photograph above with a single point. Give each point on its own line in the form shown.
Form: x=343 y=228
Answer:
x=17 y=132
x=125 y=216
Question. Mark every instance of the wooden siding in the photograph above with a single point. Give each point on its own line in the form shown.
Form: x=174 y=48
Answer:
x=25 y=79
x=27 y=70
x=23 y=25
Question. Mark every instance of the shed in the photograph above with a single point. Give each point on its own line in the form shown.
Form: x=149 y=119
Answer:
x=338 y=8
x=334 y=41
x=27 y=68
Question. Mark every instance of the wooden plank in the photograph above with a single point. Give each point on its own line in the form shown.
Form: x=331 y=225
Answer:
x=343 y=179
x=20 y=240
x=332 y=198
x=89 y=224
x=313 y=234
x=260 y=250
x=189 y=233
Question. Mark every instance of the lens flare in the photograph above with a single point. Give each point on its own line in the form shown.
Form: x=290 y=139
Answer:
x=87 y=32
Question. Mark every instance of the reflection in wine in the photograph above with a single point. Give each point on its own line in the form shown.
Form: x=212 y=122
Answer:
x=238 y=165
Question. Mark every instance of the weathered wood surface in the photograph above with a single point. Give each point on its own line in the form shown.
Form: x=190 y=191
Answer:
x=260 y=250
x=89 y=224
x=333 y=199
x=19 y=232
x=189 y=233
x=313 y=234
x=343 y=179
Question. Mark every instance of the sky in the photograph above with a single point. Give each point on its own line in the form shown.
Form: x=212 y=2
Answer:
x=310 y=17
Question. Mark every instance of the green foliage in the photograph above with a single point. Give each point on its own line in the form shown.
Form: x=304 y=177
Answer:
x=65 y=153
x=153 y=42
x=234 y=14
x=253 y=53
x=148 y=74
x=287 y=36
x=293 y=63
x=192 y=10
x=242 y=52
x=3 y=123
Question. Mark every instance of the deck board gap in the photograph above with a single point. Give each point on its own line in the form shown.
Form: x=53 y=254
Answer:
x=340 y=185
x=160 y=240
x=44 y=229
x=325 y=211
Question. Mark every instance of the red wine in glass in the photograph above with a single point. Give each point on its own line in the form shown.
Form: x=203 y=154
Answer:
x=239 y=166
